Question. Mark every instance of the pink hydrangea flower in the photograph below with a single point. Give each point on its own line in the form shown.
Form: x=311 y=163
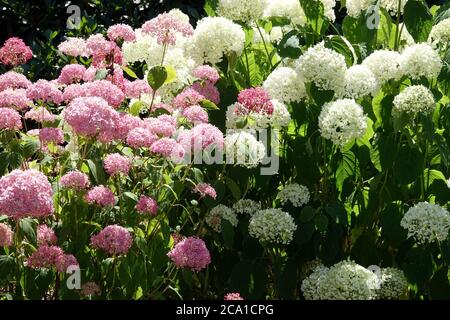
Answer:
x=165 y=27
x=159 y=127
x=117 y=78
x=10 y=119
x=73 y=91
x=15 y=52
x=205 y=189
x=141 y=138
x=14 y=98
x=48 y=257
x=125 y=124
x=206 y=135
x=46 y=91
x=147 y=205
x=206 y=73
x=114 y=240
x=196 y=114
x=116 y=163
x=45 y=235
x=90 y=74
x=255 y=100
x=6 y=235
x=233 y=296
x=13 y=80
x=208 y=90
x=119 y=32
x=190 y=253
x=101 y=195
x=188 y=97
x=25 y=194
x=103 y=52
x=40 y=114
x=71 y=73
x=90 y=289
x=73 y=47
x=168 y=148
x=106 y=90
x=65 y=262
x=75 y=180
x=51 y=135
x=134 y=89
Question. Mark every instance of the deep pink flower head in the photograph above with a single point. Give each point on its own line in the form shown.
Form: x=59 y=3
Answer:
x=51 y=135
x=73 y=47
x=10 y=119
x=13 y=80
x=168 y=148
x=116 y=163
x=101 y=196
x=75 y=180
x=160 y=126
x=196 y=114
x=71 y=73
x=6 y=235
x=147 y=205
x=15 y=52
x=134 y=89
x=205 y=189
x=208 y=90
x=233 y=296
x=141 y=138
x=90 y=289
x=25 y=194
x=40 y=114
x=255 y=100
x=103 y=52
x=190 y=253
x=46 y=91
x=106 y=90
x=119 y=32
x=48 y=257
x=14 y=98
x=45 y=235
x=165 y=27
x=206 y=73
x=188 y=97
x=206 y=135
x=114 y=240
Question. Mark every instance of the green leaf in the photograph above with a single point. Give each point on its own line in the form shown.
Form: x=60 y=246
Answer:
x=319 y=96
x=227 y=231
x=419 y=266
x=348 y=166
x=171 y=74
x=28 y=228
x=391 y=230
x=418 y=20
x=210 y=7
x=234 y=188
x=289 y=45
x=156 y=77
x=129 y=72
x=101 y=74
x=135 y=108
x=384 y=152
x=209 y=105
x=306 y=214
x=356 y=30
x=407 y=164
x=321 y=222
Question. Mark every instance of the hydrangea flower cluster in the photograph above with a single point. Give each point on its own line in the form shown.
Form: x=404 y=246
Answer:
x=6 y=235
x=166 y=26
x=10 y=119
x=190 y=253
x=48 y=257
x=233 y=296
x=242 y=148
x=114 y=240
x=272 y=226
x=15 y=52
x=101 y=196
x=297 y=195
x=244 y=11
x=420 y=60
x=393 y=284
x=45 y=235
x=246 y=206
x=75 y=180
x=15 y=98
x=285 y=85
x=205 y=189
x=359 y=81
x=115 y=163
x=440 y=33
x=414 y=100
x=384 y=64
x=290 y=9
x=147 y=205
x=219 y=212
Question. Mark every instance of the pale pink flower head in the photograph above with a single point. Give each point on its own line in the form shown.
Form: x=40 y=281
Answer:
x=90 y=74
x=51 y=135
x=40 y=114
x=73 y=91
x=206 y=73
x=117 y=78
x=141 y=138
x=147 y=205
x=205 y=189
x=103 y=52
x=71 y=73
x=188 y=97
x=206 y=135
x=114 y=240
x=255 y=100
x=121 y=32
x=168 y=148
x=115 y=163
x=15 y=52
x=101 y=196
x=75 y=180
x=125 y=124
x=160 y=127
x=13 y=80
x=233 y=296
x=134 y=89
x=190 y=253
x=15 y=98
x=165 y=28
x=208 y=90
x=65 y=262
x=48 y=257
x=45 y=91
x=90 y=289
x=74 y=47
x=45 y=235
x=10 y=119
x=6 y=235
x=106 y=90
x=25 y=194
x=196 y=114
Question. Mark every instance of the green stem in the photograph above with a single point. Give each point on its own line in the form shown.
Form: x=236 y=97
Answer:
x=265 y=46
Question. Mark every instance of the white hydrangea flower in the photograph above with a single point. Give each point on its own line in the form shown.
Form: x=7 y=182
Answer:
x=323 y=66
x=139 y=50
x=414 y=100
x=426 y=222
x=273 y=226
x=392 y=6
x=286 y=85
x=290 y=9
x=242 y=148
x=238 y=10
x=345 y=280
x=215 y=37
x=296 y=194
x=328 y=9
x=177 y=13
x=219 y=212
x=393 y=284
x=421 y=60
x=342 y=120
x=359 y=81
x=440 y=33
x=280 y=117
x=384 y=64
x=356 y=7
x=246 y=206
x=276 y=34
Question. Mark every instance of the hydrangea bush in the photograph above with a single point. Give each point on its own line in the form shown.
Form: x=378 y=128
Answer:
x=269 y=152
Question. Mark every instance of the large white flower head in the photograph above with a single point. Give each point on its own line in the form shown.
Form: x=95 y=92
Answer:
x=328 y=9
x=219 y=212
x=345 y=280
x=356 y=7
x=280 y=117
x=272 y=226
x=426 y=223
x=342 y=120
x=384 y=64
x=286 y=85
x=414 y=100
x=393 y=284
x=440 y=33
x=246 y=206
x=359 y=81
x=290 y=9
x=296 y=194
x=215 y=37
x=322 y=66
x=244 y=11
x=140 y=49
x=392 y=6
x=242 y=148
x=421 y=60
